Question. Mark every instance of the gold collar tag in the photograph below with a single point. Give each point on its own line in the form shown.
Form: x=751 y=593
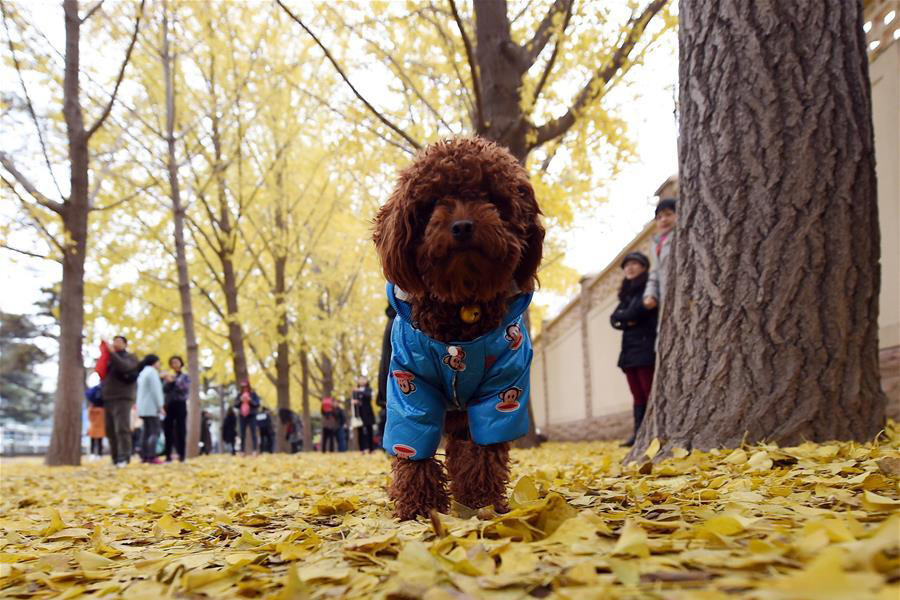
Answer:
x=470 y=314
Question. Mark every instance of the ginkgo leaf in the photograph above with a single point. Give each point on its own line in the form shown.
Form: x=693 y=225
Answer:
x=584 y=526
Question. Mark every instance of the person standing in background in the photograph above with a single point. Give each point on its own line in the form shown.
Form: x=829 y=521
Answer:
x=118 y=389
x=96 y=426
x=176 y=388
x=205 y=434
x=150 y=406
x=638 y=326
x=654 y=293
x=247 y=405
x=229 y=430
x=266 y=430
x=362 y=409
x=330 y=425
x=343 y=425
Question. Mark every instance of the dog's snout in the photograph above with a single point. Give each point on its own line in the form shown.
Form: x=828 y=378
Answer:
x=462 y=230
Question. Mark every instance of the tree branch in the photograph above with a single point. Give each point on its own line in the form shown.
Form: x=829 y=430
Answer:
x=27 y=253
x=137 y=25
x=356 y=93
x=261 y=362
x=552 y=60
x=91 y=12
x=544 y=32
x=597 y=83
x=28 y=101
x=43 y=200
x=476 y=82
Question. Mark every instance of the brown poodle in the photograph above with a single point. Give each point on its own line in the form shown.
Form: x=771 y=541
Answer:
x=460 y=241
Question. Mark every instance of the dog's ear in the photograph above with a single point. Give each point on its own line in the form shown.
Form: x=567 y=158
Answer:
x=394 y=240
x=532 y=240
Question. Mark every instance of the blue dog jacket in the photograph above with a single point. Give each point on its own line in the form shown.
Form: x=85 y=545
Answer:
x=488 y=377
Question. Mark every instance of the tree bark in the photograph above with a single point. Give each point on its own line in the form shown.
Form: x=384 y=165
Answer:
x=224 y=251
x=499 y=67
x=282 y=357
x=184 y=281
x=65 y=441
x=307 y=422
x=326 y=368
x=770 y=325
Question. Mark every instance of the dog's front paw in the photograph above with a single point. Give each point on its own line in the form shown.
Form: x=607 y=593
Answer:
x=418 y=487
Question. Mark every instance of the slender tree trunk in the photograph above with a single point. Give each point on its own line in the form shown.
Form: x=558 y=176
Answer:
x=326 y=368
x=307 y=422
x=225 y=252
x=282 y=358
x=65 y=442
x=184 y=281
x=769 y=329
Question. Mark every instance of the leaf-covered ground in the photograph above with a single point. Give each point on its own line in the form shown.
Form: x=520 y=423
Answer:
x=815 y=521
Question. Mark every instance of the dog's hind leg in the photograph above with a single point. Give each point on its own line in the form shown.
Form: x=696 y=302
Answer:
x=478 y=474
x=417 y=487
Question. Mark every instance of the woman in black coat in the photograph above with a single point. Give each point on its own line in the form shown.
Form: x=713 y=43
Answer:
x=638 y=326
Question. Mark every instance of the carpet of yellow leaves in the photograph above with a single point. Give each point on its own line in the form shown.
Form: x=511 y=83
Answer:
x=814 y=521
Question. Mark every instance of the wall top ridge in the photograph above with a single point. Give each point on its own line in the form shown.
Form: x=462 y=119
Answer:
x=597 y=281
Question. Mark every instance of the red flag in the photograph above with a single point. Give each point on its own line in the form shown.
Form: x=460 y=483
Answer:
x=103 y=362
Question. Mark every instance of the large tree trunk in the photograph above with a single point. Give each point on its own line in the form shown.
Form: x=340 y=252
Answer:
x=307 y=422
x=499 y=66
x=769 y=330
x=184 y=281
x=65 y=442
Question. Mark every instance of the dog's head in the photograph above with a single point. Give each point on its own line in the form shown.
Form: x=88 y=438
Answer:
x=461 y=225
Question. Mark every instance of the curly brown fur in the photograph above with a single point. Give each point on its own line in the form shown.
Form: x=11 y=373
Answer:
x=451 y=181
x=417 y=487
x=458 y=181
x=478 y=474
x=442 y=322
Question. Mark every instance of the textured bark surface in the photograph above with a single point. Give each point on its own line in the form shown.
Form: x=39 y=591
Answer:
x=184 y=281
x=304 y=390
x=771 y=330
x=65 y=442
x=282 y=356
x=224 y=252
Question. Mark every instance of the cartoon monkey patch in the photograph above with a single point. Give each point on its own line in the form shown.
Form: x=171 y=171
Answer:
x=404 y=451
x=509 y=399
x=514 y=336
x=455 y=358
x=405 y=381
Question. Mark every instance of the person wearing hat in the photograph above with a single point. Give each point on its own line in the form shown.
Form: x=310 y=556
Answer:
x=638 y=325
x=655 y=292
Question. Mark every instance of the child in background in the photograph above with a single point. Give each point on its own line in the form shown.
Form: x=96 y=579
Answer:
x=654 y=293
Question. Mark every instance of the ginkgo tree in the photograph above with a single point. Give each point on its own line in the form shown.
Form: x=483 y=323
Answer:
x=61 y=217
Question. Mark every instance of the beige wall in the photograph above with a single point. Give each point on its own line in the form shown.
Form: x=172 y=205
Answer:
x=609 y=389
x=565 y=377
x=884 y=73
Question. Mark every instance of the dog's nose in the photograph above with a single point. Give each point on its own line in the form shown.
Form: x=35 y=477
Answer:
x=462 y=230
